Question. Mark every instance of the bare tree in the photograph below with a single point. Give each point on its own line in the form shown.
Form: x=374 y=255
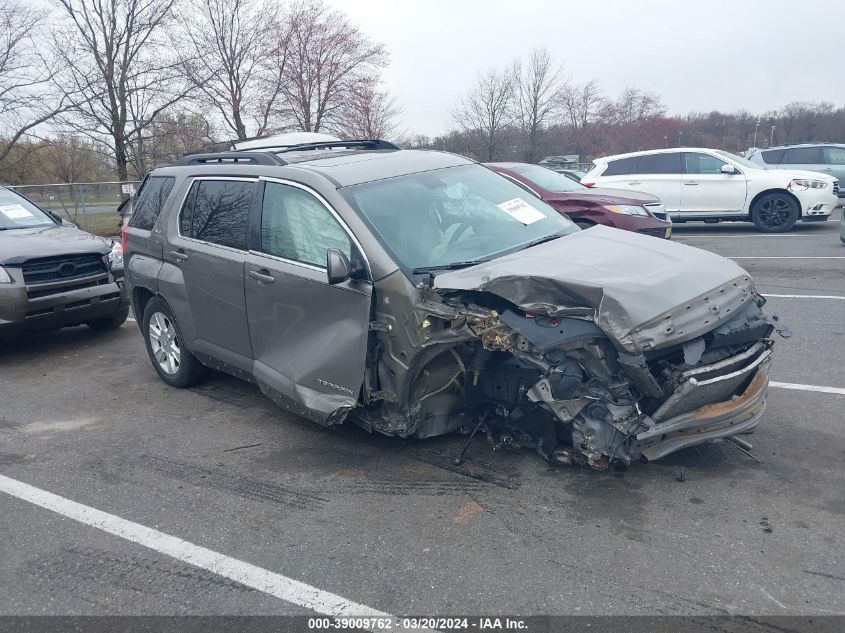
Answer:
x=236 y=56
x=487 y=109
x=370 y=112
x=536 y=89
x=27 y=97
x=328 y=58
x=635 y=105
x=117 y=57
x=582 y=105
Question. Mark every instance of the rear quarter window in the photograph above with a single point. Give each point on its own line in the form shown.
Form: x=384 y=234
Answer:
x=620 y=167
x=150 y=202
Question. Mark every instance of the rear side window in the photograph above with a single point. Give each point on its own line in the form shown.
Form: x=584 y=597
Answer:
x=772 y=156
x=297 y=226
x=803 y=156
x=217 y=211
x=659 y=164
x=620 y=167
x=150 y=201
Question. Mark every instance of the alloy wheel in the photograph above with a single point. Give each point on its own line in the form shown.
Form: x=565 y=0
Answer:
x=164 y=343
x=775 y=212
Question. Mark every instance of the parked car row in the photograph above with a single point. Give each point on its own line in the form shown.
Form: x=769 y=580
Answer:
x=715 y=186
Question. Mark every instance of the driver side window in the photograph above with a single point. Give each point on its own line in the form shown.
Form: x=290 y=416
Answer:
x=297 y=226
x=698 y=163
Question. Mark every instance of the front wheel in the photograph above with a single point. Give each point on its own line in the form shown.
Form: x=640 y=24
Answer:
x=166 y=348
x=775 y=212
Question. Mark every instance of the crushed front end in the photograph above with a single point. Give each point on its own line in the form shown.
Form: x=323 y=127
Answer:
x=558 y=383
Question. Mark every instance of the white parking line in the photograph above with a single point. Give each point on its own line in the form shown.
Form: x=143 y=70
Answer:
x=805 y=296
x=263 y=580
x=817 y=388
x=785 y=257
x=130 y=319
x=825 y=234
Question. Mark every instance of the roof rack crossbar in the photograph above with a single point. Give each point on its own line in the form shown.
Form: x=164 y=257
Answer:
x=364 y=143
x=228 y=158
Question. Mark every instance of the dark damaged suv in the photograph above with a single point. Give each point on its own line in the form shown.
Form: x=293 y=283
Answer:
x=53 y=275
x=419 y=293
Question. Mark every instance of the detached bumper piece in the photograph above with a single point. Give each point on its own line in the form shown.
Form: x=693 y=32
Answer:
x=719 y=400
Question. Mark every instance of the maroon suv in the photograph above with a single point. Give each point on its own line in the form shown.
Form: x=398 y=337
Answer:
x=632 y=211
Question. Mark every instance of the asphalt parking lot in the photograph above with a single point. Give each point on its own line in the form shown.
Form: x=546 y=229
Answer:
x=394 y=524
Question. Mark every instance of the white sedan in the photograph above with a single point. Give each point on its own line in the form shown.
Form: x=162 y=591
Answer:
x=713 y=186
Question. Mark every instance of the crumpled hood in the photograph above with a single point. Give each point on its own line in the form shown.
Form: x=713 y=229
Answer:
x=19 y=245
x=643 y=293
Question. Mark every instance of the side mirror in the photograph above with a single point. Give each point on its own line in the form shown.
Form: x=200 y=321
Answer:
x=728 y=169
x=338 y=268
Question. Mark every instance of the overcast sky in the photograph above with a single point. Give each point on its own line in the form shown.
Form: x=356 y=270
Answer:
x=696 y=54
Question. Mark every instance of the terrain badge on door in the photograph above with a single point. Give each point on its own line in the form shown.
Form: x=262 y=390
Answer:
x=331 y=385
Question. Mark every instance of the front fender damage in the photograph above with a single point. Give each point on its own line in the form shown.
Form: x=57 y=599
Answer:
x=557 y=381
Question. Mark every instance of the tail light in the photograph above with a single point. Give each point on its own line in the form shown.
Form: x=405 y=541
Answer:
x=588 y=184
x=124 y=238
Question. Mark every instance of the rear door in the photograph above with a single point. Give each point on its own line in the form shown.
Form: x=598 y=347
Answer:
x=709 y=192
x=660 y=175
x=209 y=251
x=835 y=163
x=309 y=338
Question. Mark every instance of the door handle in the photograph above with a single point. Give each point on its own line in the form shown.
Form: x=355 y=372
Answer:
x=635 y=183
x=180 y=256
x=262 y=276
x=691 y=184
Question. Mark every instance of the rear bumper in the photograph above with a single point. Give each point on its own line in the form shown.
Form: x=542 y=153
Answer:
x=686 y=426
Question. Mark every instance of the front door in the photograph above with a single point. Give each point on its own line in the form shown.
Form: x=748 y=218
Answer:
x=309 y=338
x=209 y=252
x=707 y=191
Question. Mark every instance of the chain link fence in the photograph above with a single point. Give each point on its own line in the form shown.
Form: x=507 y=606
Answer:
x=92 y=206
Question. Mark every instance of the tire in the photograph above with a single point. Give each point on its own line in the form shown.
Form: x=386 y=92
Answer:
x=172 y=361
x=775 y=212
x=109 y=323
x=583 y=224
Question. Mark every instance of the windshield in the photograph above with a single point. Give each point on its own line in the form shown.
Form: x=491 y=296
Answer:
x=458 y=214
x=738 y=159
x=16 y=212
x=547 y=179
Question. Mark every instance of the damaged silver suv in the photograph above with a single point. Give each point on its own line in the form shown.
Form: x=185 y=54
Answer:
x=419 y=293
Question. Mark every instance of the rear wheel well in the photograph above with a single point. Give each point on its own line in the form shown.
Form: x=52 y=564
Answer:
x=140 y=298
x=788 y=193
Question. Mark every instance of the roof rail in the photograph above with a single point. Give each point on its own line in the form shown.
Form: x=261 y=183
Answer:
x=358 y=143
x=228 y=158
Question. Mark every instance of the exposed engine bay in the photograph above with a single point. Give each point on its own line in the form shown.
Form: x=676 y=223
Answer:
x=552 y=380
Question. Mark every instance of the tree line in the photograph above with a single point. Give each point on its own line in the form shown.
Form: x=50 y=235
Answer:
x=121 y=85
x=106 y=89
x=532 y=109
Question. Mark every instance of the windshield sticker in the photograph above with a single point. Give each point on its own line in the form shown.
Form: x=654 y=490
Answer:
x=520 y=210
x=15 y=211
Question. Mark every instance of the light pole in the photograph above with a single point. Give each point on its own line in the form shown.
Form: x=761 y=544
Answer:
x=754 y=144
x=772 y=141
x=679 y=138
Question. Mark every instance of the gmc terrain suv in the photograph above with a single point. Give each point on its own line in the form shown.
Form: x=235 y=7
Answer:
x=52 y=274
x=419 y=293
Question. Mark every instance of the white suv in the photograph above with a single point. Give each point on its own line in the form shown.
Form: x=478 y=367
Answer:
x=713 y=186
